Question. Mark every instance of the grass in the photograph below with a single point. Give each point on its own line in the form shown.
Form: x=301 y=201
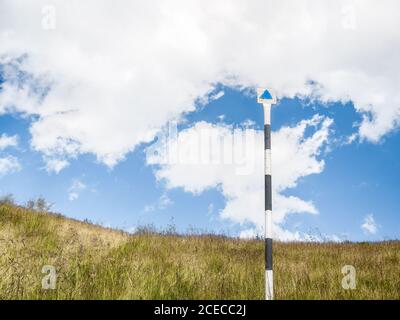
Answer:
x=99 y=263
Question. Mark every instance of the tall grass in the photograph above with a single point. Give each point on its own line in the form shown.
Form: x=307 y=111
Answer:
x=97 y=263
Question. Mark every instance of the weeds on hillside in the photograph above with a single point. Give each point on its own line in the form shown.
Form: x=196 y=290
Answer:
x=97 y=263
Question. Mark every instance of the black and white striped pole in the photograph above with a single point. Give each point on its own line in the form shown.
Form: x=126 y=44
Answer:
x=267 y=99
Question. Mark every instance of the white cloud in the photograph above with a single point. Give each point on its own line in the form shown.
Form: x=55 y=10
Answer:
x=163 y=202
x=201 y=163
x=216 y=96
x=350 y=139
x=210 y=209
x=286 y=235
x=9 y=165
x=250 y=233
x=55 y=165
x=369 y=225
x=76 y=189
x=118 y=72
x=8 y=141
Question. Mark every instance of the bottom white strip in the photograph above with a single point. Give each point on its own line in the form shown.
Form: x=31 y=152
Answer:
x=269 y=285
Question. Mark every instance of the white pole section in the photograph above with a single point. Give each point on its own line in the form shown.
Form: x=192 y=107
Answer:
x=265 y=97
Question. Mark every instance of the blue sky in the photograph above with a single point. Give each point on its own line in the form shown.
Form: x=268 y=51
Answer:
x=359 y=178
x=89 y=91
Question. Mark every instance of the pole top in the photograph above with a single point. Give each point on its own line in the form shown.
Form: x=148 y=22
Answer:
x=266 y=96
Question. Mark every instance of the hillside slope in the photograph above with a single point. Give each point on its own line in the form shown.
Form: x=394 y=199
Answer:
x=98 y=263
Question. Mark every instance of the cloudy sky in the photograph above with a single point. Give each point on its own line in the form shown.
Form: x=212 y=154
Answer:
x=137 y=112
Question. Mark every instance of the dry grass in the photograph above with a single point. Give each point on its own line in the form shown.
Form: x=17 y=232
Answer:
x=97 y=263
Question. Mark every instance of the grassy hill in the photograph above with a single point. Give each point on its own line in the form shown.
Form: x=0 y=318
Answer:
x=98 y=263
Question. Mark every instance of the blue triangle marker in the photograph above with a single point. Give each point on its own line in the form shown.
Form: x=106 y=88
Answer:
x=266 y=95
